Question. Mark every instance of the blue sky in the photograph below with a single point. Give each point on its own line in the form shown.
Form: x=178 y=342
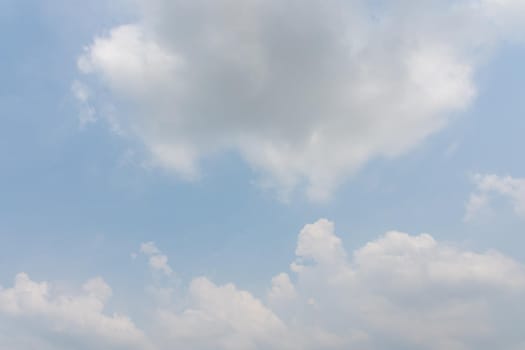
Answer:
x=79 y=198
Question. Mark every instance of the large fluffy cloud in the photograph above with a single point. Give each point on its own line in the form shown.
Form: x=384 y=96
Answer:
x=221 y=317
x=408 y=292
x=306 y=91
x=396 y=292
x=35 y=315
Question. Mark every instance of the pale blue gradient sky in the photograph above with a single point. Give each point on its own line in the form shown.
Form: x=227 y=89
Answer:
x=72 y=203
x=72 y=206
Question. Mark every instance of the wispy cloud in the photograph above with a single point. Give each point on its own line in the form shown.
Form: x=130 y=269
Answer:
x=490 y=186
x=157 y=260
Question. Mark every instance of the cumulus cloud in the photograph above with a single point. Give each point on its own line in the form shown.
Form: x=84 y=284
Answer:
x=396 y=292
x=305 y=91
x=157 y=260
x=37 y=315
x=282 y=289
x=222 y=317
x=404 y=292
x=490 y=186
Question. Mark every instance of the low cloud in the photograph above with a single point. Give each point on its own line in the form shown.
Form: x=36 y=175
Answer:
x=396 y=292
x=36 y=315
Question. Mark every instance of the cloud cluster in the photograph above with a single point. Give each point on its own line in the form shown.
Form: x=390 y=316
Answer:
x=34 y=315
x=490 y=186
x=305 y=91
x=396 y=292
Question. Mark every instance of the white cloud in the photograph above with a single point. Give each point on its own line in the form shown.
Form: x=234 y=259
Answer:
x=307 y=92
x=221 y=317
x=160 y=262
x=282 y=289
x=405 y=292
x=149 y=248
x=490 y=186
x=87 y=112
x=157 y=260
x=396 y=292
x=54 y=319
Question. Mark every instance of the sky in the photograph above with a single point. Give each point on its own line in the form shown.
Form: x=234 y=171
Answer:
x=247 y=174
